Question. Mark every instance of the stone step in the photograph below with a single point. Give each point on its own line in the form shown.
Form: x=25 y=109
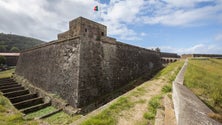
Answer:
x=9 y=86
x=35 y=108
x=5 y=84
x=5 y=79
x=23 y=98
x=16 y=93
x=12 y=89
x=2 y=82
x=49 y=114
x=28 y=103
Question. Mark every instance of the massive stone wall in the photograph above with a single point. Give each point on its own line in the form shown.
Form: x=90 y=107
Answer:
x=106 y=66
x=82 y=69
x=53 y=67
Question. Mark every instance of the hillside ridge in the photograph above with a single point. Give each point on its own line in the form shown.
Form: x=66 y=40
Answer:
x=16 y=43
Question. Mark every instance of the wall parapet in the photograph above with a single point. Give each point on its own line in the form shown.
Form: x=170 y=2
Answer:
x=189 y=109
x=54 y=42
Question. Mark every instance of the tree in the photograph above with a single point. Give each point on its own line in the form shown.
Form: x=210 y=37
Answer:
x=157 y=49
x=2 y=60
x=14 y=49
x=2 y=48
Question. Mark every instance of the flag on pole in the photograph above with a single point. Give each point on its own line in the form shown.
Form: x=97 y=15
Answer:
x=96 y=8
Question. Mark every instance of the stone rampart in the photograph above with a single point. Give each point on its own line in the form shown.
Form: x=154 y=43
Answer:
x=53 y=67
x=82 y=69
x=106 y=66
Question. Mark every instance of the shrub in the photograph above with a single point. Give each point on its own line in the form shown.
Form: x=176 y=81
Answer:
x=167 y=88
x=2 y=60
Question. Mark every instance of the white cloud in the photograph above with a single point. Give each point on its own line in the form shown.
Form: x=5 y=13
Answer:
x=44 y=19
x=199 y=48
x=118 y=14
x=185 y=3
x=175 y=13
x=218 y=37
x=123 y=11
x=143 y=34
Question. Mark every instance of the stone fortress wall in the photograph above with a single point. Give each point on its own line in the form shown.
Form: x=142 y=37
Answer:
x=84 y=64
x=201 y=55
x=169 y=57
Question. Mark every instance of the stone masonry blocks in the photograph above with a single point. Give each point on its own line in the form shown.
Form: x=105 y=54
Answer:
x=82 y=68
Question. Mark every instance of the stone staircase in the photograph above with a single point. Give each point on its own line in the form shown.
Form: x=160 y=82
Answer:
x=22 y=99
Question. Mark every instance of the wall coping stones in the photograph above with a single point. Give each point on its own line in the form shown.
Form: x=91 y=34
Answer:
x=109 y=40
x=113 y=41
x=189 y=109
x=50 y=43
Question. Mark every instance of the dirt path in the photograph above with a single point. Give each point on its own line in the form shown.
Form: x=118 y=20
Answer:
x=134 y=116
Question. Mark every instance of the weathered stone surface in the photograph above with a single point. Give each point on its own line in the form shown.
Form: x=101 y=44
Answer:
x=169 y=118
x=105 y=67
x=53 y=68
x=82 y=69
x=84 y=27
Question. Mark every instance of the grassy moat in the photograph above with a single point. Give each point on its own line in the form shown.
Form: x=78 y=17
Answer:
x=136 y=107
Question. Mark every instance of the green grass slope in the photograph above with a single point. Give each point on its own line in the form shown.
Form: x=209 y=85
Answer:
x=8 y=42
x=204 y=78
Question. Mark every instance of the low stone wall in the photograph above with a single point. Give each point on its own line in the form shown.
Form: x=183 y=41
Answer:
x=11 y=60
x=189 y=109
x=169 y=55
x=201 y=55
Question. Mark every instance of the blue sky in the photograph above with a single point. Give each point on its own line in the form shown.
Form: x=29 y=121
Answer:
x=181 y=26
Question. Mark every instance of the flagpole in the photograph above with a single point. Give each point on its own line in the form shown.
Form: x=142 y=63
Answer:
x=100 y=10
x=98 y=15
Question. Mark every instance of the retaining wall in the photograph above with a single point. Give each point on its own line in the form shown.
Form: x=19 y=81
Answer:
x=189 y=109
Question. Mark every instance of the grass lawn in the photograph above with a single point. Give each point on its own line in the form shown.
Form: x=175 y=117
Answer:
x=6 y=73
x=204 y=78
